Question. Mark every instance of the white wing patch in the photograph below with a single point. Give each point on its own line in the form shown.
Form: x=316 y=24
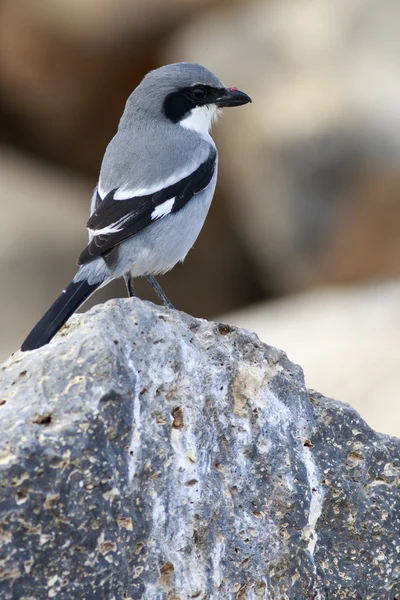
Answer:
x=160 y=211
x=113 y=228
x=126 y=193
x=105 y=230
x=100 y=191
x=163 y=209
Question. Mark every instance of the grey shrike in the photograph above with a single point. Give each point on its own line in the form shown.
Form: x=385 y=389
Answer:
x=156 y=184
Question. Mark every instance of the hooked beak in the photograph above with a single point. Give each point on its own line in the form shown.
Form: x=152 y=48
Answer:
x=233 y=97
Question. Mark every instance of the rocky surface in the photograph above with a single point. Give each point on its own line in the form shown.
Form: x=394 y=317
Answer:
x=147 y=454
x=346 y=340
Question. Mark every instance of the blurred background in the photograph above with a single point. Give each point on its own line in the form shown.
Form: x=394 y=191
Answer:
x=302 y=244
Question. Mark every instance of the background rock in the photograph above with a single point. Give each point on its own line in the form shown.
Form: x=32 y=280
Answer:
x=146 y=454
x=312 y=166
x=67 y=69
x=39 y=240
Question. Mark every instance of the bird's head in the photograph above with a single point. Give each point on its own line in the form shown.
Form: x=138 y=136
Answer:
x=186 y=94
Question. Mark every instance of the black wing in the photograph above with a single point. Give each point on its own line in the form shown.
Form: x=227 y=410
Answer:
x=125 y=218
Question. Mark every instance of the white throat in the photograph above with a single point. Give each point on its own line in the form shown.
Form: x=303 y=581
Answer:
x=201 y=118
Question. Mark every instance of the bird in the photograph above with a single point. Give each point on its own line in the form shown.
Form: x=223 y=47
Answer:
x=156 y=184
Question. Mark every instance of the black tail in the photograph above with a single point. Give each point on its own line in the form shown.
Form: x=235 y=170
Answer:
x=65 y=305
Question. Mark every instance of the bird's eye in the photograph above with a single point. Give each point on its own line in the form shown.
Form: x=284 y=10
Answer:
x=199 y=93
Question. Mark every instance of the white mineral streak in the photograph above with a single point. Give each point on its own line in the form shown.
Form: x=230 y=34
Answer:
x=158 y=514
x=316 y=500
x=134 y=446
x=219 y=550
x=282 y=419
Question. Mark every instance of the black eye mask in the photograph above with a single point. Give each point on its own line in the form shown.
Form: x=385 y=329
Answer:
x=179 y=104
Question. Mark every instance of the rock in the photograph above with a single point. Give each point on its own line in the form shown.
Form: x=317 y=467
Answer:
x=311 y=167
x=147 y=454
x=345 y=338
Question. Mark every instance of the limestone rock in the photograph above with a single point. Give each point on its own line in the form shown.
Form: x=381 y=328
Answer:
x=146 y=454
x=345 y=338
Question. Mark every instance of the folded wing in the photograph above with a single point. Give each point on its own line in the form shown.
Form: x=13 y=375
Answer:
x=116 y=220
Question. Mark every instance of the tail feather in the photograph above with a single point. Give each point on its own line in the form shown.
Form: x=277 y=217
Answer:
x=66 y=304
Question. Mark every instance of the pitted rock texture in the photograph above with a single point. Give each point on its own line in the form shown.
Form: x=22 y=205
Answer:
x=145 y=454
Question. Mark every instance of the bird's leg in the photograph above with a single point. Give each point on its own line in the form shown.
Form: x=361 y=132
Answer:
x=129 y=285
x=159 y=291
